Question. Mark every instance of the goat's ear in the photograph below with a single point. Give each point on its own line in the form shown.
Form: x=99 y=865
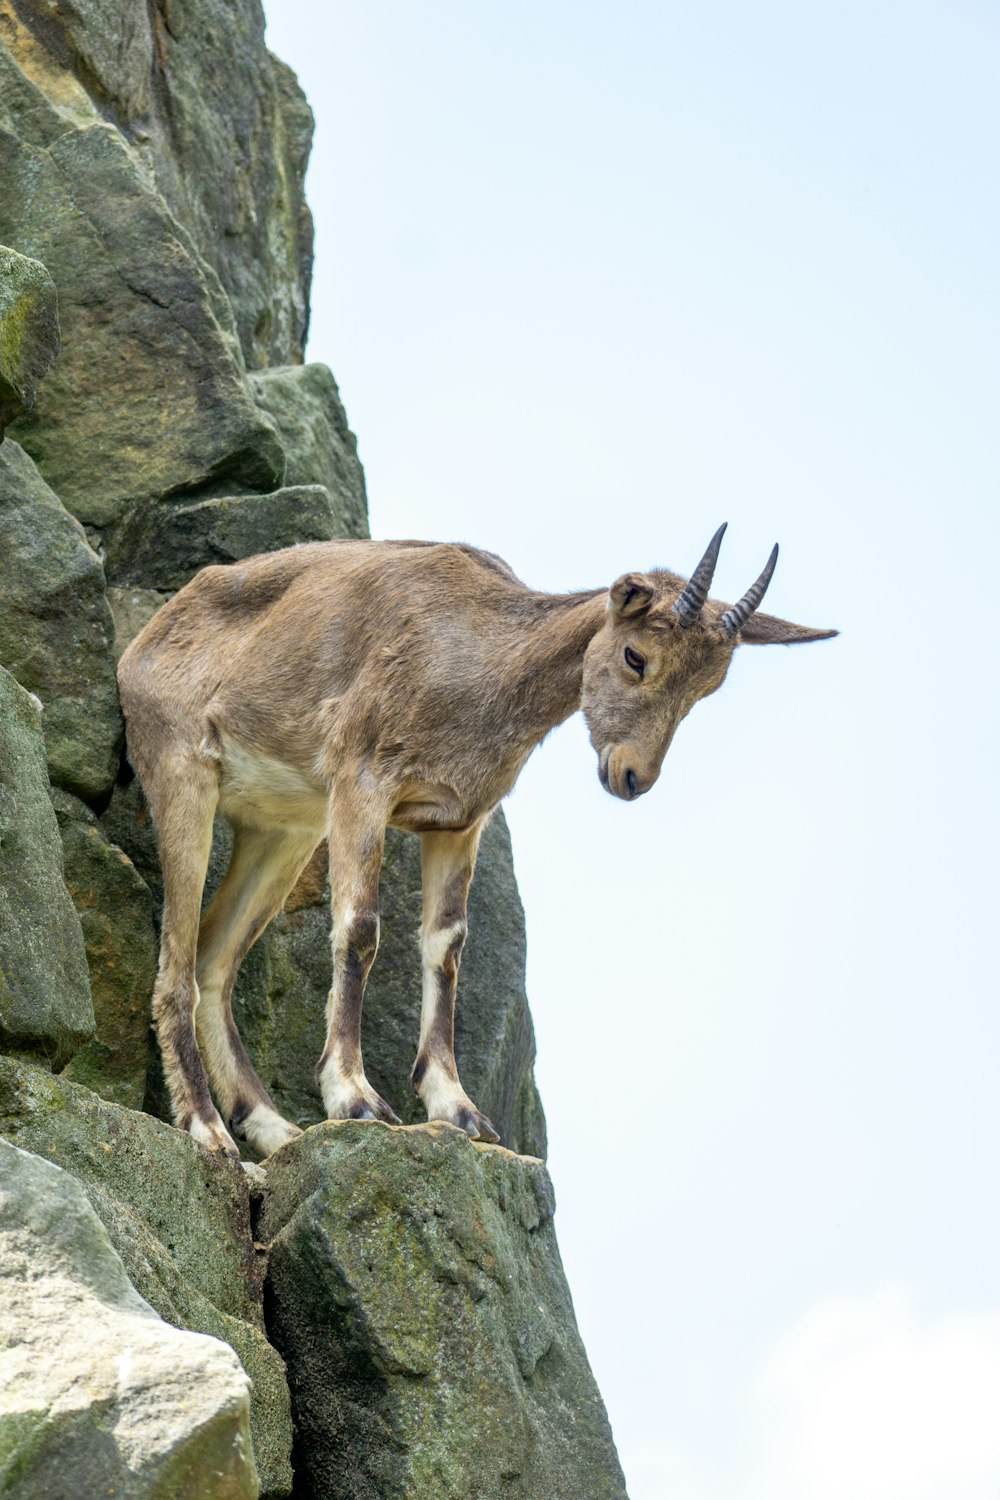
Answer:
x=768 y=630
x=631 y=594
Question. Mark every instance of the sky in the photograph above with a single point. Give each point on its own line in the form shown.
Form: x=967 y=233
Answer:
x=592 y=280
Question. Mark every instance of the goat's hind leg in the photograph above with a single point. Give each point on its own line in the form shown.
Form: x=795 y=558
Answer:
x=182 y=794
x=263 y=868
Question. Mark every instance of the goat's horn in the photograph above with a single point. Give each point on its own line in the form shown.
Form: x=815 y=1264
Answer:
x=689 y=605
x=740 y=613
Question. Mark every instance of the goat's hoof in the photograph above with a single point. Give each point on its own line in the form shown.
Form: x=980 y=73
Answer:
x=214 y=1136
x=370 y=1107
x=476 y=1125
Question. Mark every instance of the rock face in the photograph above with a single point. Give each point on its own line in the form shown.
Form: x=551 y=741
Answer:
x=413 y=1281
x=98 y=1396
x=116 y=914
x=178 y=1217
x=45 y=1005
x=418 y=1298
x=56 y=630
x=29 y=332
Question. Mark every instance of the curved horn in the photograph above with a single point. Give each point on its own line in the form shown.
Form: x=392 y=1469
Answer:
x=689 y=604
x=740 y=613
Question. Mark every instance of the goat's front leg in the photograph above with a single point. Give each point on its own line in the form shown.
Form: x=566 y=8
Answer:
x=447 y=863
x=357 y=835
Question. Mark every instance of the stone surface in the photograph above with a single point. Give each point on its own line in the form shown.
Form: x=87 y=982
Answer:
x=178 y=1216
x=56 y=630
x=132 y=609
x=281 y=991
x=45 y=1008
x=142 y=314
x=162 y=547
x=98 y=1396
x=115 y=908
x=320 y=447
x=415 y=1287
x=29 y=332
x=226 y=148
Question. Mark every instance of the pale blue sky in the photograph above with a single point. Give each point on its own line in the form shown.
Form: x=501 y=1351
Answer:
x=593 y=280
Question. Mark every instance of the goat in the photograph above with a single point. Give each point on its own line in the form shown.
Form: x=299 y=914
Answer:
x=339 y=688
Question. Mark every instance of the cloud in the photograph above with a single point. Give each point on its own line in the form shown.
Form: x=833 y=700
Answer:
x=866 y=1398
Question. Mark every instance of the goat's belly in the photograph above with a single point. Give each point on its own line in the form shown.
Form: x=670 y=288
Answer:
x=426 y=808
x=258 y=789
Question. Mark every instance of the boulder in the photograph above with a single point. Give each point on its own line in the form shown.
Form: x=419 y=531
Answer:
x=56 y=630
x=178 y=1216
x=150 y=395
x=98 y=1395
x=29 y=332
x=417 y=1294
x=225 y=147
x=45 y=1007
x=320 y=448
x=161 y=547
x=115 y=908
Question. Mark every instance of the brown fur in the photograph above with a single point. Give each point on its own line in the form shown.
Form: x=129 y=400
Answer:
x=340 y=688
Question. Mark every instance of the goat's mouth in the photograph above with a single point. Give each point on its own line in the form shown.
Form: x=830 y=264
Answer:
x=625 y=787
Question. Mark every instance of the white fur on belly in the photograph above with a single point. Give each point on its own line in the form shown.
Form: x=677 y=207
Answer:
x=253 y=782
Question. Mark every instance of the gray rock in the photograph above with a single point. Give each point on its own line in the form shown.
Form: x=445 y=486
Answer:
x=56 y=631
x=132 y=609
x=320 y=447
x=162 y=547
x=115 y=908
x=417 y=1293
x=150 y=395
x=99 y=1395
x=29 y=332
x=226 y=147
x=45 y=1008
x=179 y=1217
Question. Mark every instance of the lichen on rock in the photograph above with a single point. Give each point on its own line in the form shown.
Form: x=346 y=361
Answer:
x=417 y=1295
x=29 y=332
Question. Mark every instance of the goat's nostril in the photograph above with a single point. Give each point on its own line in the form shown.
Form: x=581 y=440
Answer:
x=630 y=782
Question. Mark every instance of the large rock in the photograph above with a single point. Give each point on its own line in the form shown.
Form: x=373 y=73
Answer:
x=226 y=147
x=115 y=908
x=98 y=1396
x=320 y=447
x=178 y=1216
x=416 y=1291
x=29 y=332
x=280 y=996
x=56 y=630
x=45 y=1008
x=150 y=395
x=162 y=547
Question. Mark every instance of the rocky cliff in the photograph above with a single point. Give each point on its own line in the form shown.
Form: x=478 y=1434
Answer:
x=394 y=1295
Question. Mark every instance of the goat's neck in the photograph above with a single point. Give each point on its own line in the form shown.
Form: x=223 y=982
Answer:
x=550 y=665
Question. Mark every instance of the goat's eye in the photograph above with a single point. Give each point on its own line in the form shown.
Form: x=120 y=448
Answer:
x=635 y=661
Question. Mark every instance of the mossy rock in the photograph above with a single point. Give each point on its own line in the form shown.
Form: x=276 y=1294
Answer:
x=178 y=1216
x=417 y=1294
x=29 y=331
x=45 y=1007
x=56 y=630
x=99 y=1395
x=320 y=447
x=115 y=908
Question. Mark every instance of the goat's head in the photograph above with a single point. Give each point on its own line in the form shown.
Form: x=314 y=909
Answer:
x=664 y=645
